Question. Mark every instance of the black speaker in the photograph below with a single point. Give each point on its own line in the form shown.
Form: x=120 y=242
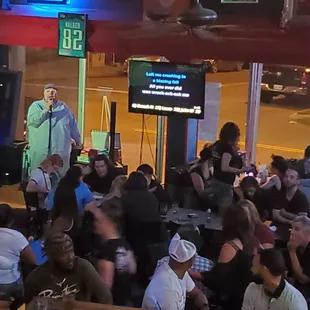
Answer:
x=4 y=56
x=11 y=162
x=5 y=5
x=10 y=87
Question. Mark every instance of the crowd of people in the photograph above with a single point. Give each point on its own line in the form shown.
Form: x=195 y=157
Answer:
x=104 y=236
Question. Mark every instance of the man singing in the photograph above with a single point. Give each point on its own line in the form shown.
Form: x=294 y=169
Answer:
x=51 y=126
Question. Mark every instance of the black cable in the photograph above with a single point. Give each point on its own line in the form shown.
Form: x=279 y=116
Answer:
x=149 y=143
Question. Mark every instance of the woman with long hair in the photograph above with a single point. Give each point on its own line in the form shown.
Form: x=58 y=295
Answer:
x=143 y=226
x=103 y=173
x=65 y=215
x=227 y=164
x=251 y=191
x=201 y=175
x=71 y=199
x=117 y=188
x=261 y=231
x=73 y=180
x=232 y=273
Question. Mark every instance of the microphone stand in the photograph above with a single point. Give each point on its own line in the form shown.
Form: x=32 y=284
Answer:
x=50 y=130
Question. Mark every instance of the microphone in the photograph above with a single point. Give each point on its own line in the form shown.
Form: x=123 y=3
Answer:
x=50 y=108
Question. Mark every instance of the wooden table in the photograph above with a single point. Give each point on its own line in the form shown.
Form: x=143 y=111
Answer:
x=60 y=304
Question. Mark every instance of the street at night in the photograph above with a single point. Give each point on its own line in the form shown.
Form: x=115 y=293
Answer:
x=275 y=135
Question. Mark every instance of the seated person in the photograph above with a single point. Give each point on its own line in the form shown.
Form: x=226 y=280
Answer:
x=115 y=260
x=171 y=282
x=303 y=165
x=142 y=224
x=191 y=233
x=274 y=292
x=64 y=274
x=13 y=247
x=251 y=191
x=262 y=232
x=299 y=254
x=154 y=186
x=65 y=215
x=291 y=202
x=38 y=188
x=102 y=175
x=73 y=179
x=278 y=167
x=117 y=190
x=231 y=274
x=201 y=175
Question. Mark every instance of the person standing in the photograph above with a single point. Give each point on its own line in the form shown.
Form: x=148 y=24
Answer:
x=51 y=127
x=227 y=165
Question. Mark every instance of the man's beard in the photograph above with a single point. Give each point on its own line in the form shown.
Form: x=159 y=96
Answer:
x=290 y=187
x=249 y=197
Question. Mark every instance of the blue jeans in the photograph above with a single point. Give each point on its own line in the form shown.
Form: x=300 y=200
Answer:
x=13 y=292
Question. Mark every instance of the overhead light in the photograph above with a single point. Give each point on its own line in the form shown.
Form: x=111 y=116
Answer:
x=197 y=15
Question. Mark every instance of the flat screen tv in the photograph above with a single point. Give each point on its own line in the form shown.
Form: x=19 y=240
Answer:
x=162 y=88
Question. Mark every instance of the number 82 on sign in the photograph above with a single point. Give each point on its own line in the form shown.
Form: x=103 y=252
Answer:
x=72 y=29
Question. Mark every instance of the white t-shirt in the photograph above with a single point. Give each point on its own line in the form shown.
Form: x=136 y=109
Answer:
x=42 y=179
x=12 y=243
x=166 y=291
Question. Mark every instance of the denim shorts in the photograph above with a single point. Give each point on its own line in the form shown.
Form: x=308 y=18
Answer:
x=223 y=193
x=12 y=291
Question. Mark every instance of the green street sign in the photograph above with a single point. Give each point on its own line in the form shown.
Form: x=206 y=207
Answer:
x=72 y=29
x=239 y=1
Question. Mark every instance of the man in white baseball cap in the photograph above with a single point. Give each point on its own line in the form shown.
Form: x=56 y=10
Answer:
x=51 y=126
x=171 y=282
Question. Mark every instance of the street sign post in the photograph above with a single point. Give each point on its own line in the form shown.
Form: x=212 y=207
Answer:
x=239 y=1
x=72 y=30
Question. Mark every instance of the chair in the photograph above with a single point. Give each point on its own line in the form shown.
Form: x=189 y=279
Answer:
x=35 y=228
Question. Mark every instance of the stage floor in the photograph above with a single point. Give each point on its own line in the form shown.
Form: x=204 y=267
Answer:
x=9 y=194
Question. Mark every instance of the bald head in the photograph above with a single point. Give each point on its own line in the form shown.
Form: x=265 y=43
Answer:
x=60 y=251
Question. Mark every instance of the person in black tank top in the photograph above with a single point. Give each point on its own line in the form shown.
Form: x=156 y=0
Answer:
x=232 y=274
x=227 y=164
x=201 y=179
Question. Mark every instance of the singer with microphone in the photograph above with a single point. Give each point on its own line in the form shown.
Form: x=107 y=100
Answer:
x=51 y=127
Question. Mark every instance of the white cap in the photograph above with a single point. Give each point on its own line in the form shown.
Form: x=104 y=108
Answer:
x=181 y=250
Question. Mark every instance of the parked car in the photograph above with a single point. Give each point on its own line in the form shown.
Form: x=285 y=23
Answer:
x=284 y=80
x=215 y=66
x=143 y=58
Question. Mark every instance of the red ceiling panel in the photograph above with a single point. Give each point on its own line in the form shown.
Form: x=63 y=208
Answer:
x=256 y=40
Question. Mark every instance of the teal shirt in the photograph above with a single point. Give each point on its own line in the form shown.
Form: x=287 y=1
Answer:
x=64 y=128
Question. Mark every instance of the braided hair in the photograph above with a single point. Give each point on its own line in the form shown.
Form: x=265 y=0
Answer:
x=57 y=242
